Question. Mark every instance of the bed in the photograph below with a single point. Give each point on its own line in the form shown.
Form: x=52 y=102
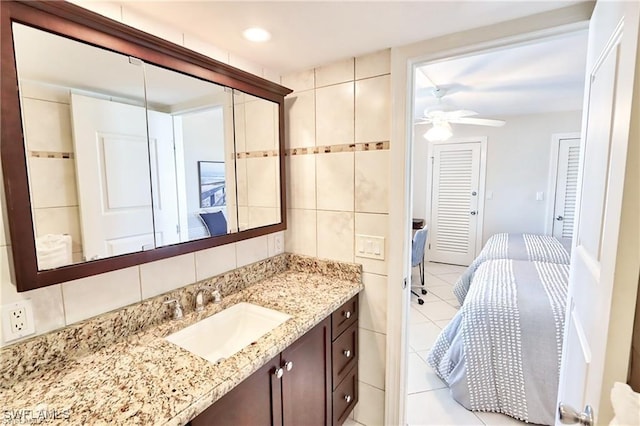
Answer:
x=501 y=352
x=532 y=247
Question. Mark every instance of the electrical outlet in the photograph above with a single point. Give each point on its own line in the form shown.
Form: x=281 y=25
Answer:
x=17 y=320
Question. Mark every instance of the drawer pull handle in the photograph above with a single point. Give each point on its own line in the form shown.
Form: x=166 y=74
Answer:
x=347 y=314
x=347 y=398
x=278 y=373
x=347 y=353
x=288 y=365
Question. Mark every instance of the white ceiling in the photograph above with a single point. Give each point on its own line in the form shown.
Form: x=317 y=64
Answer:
x=546 y=76
x=306 y=34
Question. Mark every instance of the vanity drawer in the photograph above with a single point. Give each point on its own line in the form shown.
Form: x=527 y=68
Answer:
x=345 y=396
x=343 y=317
x=344 y=353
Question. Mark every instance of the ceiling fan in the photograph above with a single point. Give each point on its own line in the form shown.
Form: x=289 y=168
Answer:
x=442 y=119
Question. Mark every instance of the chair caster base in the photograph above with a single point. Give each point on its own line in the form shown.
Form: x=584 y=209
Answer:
x=424 y=291
x=420 y=302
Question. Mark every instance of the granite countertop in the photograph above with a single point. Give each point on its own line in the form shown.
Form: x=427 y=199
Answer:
x=144 y=379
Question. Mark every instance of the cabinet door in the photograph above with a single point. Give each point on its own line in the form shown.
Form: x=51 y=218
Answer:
x=306 y=387
x=249 y=403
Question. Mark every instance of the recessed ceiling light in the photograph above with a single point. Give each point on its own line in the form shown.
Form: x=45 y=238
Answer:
x=256 y=34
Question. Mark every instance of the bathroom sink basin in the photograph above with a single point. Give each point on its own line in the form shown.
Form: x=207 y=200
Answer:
x=227 y=332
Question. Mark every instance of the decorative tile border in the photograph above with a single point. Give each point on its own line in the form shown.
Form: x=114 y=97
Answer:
x=327 y=149
x=258 y=154
x=51 y=154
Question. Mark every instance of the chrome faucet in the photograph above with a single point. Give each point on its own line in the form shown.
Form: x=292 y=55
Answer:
x=216 y=297
x=177 y=308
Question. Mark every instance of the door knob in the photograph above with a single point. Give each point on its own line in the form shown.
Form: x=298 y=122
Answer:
x=347 y=314
x=560 y=218
x=569 y=416
x=347 y=353
x=347 y=398
x=473 y=213
x=288 y=365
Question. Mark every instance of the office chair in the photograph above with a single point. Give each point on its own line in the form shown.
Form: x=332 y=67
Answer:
x=417 y=259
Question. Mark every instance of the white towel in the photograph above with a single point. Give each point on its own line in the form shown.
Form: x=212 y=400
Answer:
x=626 y=405
x=53 y=251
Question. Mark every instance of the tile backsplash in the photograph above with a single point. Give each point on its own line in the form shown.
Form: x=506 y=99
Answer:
x=338 y=139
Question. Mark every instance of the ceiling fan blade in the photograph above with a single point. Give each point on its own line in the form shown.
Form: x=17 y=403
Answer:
x=478 y=121
x=447 y=115
x=460 y=113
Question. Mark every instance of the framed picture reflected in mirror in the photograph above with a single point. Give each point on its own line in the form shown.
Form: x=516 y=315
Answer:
x=212 y=184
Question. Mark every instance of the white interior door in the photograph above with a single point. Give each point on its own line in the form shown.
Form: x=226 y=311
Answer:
x=605 y=258
x=112 y=166
x=164 y=179
x=455 y=188
x=566 y=187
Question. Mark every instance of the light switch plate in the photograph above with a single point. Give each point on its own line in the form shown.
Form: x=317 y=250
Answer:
x=370 y=246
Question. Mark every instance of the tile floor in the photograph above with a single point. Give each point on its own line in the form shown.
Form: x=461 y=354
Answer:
x=429 y=401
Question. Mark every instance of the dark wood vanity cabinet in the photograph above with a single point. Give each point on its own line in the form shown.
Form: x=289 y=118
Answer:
x=312 y=382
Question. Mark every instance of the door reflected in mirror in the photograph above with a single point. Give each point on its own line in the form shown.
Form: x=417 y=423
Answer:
x=194 y=122
x=86 y=144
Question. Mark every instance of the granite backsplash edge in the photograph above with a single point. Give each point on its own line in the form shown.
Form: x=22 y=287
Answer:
x=31 y=357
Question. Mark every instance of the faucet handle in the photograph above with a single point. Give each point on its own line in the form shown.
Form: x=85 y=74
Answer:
x=177 y=309
x=215 y=293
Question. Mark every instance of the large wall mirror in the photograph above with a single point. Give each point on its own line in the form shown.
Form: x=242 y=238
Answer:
x=119 y=148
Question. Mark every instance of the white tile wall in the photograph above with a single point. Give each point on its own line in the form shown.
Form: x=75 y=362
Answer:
x=372 y=358
x=335 y=114
x=260 y=127
x=51 y=131
x=301 y=123
x=334 y=73
x=263 y=180
x=301 y=236
x=373 y=109
x=370 y=408
x=52 y=182
x=373 y=303
x=372 y=181
x=351 y=197
x=91 y=296
x=250 y=251
x=303 y=80
x=167 y=274
x=301 y=176
x=214 y=261
x=335 y=235
x=335 y=181
x=374 y=64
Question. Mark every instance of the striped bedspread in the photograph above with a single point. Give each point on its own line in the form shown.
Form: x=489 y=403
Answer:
x=501 y=352
x=539 y=248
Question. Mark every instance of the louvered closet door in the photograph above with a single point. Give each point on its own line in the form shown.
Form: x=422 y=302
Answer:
x=454 y=207
x=566 y=187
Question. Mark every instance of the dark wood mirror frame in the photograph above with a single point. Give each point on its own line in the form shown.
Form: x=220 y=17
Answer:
x=77 y=23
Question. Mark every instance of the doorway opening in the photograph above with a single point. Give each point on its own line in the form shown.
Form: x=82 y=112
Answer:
x=481 y=181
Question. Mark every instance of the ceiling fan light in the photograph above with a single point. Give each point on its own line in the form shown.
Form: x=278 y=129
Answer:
x=439 y=132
